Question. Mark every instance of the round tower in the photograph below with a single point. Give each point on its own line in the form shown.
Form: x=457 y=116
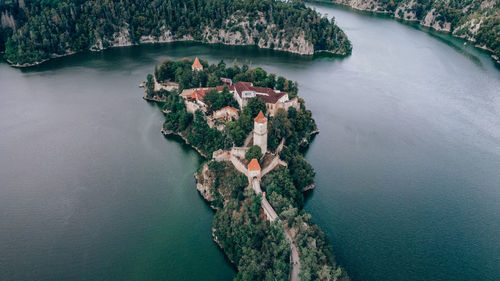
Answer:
x=260 y=132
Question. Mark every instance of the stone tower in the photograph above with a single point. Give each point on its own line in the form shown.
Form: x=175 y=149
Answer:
x=260 y=132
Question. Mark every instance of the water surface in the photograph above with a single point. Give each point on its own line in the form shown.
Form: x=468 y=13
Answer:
x=407 y=162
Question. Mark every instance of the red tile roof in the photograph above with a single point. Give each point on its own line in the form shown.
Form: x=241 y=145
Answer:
x=260 y=118
x=197 y=63
x=199 y=94
x=268 y=95
x=230 y=108
x=221 y=88
x=254 y=165
x=242 y=86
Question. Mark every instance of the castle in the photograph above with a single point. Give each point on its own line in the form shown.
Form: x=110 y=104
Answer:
x=274 y=99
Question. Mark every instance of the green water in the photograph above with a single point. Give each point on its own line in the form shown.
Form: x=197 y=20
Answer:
x=407 y=162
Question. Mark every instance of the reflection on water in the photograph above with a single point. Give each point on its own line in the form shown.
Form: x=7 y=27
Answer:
x=407 y=161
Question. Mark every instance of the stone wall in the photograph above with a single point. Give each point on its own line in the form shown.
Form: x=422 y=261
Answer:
x=238 y=165
x=221 y=155
x=239 y=151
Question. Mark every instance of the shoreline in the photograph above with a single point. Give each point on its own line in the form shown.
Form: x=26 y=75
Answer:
x=172 y=133
x=410 y=22
x=223 y=188
x=130 y=44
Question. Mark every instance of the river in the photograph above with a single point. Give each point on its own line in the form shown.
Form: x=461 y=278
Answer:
x=407 y=161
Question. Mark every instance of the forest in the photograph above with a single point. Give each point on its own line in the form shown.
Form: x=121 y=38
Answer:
x=37 y=30
x=463 y=16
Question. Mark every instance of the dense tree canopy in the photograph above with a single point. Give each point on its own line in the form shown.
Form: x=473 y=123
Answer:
x=47 y=28
x=258 y=248
x=253 y=153
x=216 y=100
x=459 y=13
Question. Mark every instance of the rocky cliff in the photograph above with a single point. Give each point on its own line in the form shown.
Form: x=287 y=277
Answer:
x=243 y=32
x=41 y=30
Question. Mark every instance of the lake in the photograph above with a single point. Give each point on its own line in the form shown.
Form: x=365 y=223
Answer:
x=407 y=161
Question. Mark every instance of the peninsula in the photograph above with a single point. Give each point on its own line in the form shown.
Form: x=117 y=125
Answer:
x=251 y=127
x=32 y=32
x=477 y=21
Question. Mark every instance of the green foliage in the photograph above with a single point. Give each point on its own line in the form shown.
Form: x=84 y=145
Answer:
x=48 y=28
x=281 y=191
x=211 y=139
x=239 y=130
x=203 y=137
x=180 y=72
x=259 y=249
x=178 y=119
x=217 y=100
x=302 y=172
x=316 y=259
x=295 y=126
x=254 y=106
x=150 y=85
x=280 y=128
x=253 y=153
x=457 y=13
x=317 y=262
x=228 y=182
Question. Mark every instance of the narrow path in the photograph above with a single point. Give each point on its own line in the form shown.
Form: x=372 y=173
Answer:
x=271 y=215
x=294 y=276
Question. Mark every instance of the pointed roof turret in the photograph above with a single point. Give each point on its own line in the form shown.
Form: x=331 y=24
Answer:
x=254 y=165
x=260 y=118
x=196 y=64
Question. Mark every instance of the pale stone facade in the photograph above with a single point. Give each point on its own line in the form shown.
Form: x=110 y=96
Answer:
x=260 y=132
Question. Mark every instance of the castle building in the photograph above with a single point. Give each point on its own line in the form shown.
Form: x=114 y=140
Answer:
x=274 y=99
x=260 y=132
x=197 y=65
x=226 y=113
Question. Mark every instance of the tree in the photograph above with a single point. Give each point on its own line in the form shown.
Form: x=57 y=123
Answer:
x=253 y=153
x=253 y=107
x=218 y=100
x=302 y=172
x=280 y=83
x=150 y=85
x=213 y=80
x=281 y=183
x=280 y=128
x=236 y=133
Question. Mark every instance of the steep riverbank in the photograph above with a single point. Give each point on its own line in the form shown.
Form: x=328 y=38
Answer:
x=39 y=31
x=166 y=132
x=475 y=21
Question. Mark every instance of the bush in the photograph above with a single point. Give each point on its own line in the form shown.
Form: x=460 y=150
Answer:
x=253 y=153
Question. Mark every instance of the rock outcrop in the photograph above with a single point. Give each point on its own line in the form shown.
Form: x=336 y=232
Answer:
x=476 y=21
x=7 y=20
x=242 y=33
